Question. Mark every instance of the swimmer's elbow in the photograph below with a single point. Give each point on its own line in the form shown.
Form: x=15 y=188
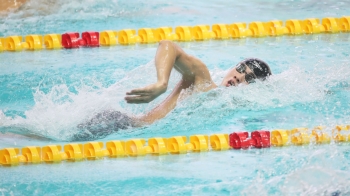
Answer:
x=171 y=46
x=165 y=42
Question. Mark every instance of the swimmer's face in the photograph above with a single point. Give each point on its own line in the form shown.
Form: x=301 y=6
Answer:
x=234 y=77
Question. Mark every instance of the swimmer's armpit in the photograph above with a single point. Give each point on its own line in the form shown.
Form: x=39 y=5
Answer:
x=7 y=5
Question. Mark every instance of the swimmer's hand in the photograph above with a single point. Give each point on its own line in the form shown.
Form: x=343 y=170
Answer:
x=146 y=94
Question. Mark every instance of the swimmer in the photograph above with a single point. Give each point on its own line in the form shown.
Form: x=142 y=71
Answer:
x=195 y=75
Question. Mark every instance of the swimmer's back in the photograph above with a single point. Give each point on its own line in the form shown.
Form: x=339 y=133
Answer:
x=103 y=124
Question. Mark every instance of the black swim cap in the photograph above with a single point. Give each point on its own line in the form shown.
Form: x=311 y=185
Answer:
x=259 y=67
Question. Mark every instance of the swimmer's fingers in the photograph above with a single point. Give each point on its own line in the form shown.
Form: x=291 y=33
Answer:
x=146 y=94
x=153 y=90
x=139 y=91
x=138 y=99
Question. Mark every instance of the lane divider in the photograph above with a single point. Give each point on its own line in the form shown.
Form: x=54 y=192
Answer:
x=173 y=145
x=71 y=40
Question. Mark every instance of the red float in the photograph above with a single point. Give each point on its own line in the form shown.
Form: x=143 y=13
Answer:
x=261 y=139
x=240 y=140
x=70 y=40
x=90 y=39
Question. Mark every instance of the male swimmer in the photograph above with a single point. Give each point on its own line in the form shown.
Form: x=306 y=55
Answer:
x=195 y=74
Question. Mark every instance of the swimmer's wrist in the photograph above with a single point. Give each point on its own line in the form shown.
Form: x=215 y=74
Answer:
x=162 y=86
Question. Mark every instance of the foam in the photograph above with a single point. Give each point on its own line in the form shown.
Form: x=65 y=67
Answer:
x=56 y=113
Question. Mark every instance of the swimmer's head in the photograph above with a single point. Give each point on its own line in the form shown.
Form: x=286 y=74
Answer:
x=246 y=72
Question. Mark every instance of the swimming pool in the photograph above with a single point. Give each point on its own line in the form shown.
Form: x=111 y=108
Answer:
x=47 y=93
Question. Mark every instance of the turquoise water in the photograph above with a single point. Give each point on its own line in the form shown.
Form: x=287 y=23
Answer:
x=45 y=95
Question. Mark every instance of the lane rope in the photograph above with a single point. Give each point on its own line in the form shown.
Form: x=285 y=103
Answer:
x=173 y=145
x=238 y=30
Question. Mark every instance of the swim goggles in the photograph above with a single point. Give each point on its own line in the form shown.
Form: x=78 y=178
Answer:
x=249 y=77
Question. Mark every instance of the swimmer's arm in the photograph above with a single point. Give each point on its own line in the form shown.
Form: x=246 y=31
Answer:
x=169 y=55
x=166 y=106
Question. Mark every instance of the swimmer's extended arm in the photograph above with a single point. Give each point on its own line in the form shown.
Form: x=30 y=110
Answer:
x=169 y=55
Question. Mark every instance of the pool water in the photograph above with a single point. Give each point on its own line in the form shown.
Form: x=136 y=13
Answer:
x=45 y=95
